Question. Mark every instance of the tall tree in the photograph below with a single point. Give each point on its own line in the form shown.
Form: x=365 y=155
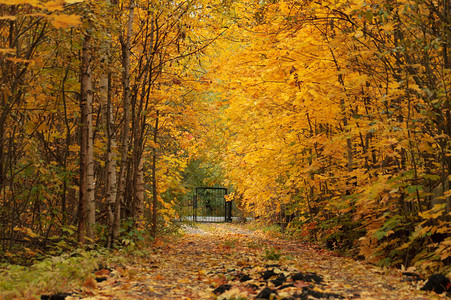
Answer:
x=126 y=48
x=87 y=202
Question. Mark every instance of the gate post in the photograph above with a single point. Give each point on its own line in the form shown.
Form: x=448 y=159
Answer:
x=195 y=208
x=228 y=211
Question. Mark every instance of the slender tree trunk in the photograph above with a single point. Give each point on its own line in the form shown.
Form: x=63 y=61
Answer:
x=86 y=210
x=110 y=161
x=126 y=45
x=139 y=191
x=140 y=115
x=154 y=179
x=137 y=172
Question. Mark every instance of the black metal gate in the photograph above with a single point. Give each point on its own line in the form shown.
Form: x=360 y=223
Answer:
x=210 y=205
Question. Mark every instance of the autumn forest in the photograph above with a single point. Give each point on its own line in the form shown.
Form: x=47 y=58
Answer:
x=331 y=118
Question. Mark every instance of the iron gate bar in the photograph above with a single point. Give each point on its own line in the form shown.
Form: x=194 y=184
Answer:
x=207 y=206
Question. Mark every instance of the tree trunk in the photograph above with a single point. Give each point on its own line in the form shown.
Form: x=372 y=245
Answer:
x=139 y=191
x=110 y=161
x=86 y=212
x=126 y=45
x=154 y=179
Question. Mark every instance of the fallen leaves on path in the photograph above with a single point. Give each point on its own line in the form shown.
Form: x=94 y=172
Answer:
x=225 y=261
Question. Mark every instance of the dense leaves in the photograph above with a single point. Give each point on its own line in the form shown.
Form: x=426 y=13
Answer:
x=338 y=122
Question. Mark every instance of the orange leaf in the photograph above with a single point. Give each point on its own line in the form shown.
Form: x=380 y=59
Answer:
x=90 y=283
x=301 y=284
x=102 y=272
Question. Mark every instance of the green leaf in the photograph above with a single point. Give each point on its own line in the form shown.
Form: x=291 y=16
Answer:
x=369 y=15
x=380 y=234
x=431 y=177
x=413 y=188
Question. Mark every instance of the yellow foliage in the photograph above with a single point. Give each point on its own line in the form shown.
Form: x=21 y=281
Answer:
x=65 y=21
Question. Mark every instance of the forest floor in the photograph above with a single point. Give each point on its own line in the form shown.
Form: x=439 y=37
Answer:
x=225 y=261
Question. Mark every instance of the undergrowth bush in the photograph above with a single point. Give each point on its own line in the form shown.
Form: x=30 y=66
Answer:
x=51 y=275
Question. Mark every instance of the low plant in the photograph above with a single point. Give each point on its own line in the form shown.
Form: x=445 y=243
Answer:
x=50 y=276
x=272 y=254
x=231 y=243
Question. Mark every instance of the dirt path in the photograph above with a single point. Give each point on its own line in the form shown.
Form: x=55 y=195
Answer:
x=222 y=261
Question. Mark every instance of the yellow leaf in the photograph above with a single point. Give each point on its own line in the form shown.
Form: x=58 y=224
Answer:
x=388 y=27
x=435 y=212
x=358 y=34
x=17 y=2
x=18 y=60
x=64 y=21
x=7 y=51
x=53 y=5
x=11 y=18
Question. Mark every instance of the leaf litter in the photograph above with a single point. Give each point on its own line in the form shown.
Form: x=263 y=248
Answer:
x=227 y=261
